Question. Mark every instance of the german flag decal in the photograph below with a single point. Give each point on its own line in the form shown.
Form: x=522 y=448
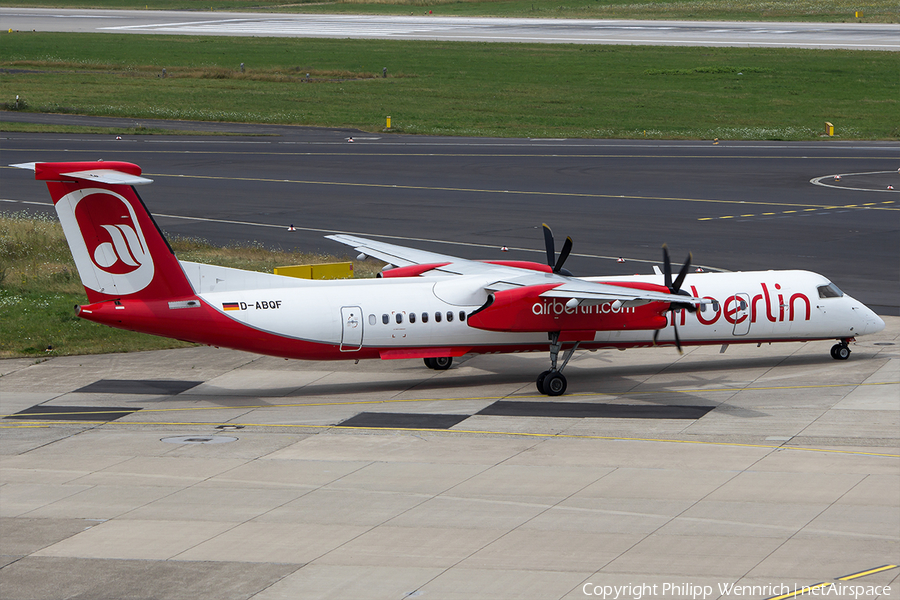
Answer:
x=231 y=306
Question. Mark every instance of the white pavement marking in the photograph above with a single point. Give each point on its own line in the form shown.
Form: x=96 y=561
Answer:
x=820 y=181
x=873 y=36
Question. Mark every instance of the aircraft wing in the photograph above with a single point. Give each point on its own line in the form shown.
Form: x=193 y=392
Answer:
x=503 y=277
x=401 y=256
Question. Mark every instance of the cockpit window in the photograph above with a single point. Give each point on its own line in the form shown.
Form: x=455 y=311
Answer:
x=830 y=291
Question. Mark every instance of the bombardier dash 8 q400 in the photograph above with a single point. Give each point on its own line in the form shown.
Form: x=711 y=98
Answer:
x=428 y=306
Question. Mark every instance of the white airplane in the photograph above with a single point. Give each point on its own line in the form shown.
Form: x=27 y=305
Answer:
x=427 y=306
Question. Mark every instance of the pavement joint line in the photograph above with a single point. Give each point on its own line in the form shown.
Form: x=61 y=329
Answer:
x=867 y=572
x=464 y=399
x=481 y=432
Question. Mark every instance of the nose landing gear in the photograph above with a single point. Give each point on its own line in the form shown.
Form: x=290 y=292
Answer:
x=841 y=351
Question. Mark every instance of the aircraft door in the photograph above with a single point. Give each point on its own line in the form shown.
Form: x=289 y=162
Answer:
x=738 y=306
x=351 y=328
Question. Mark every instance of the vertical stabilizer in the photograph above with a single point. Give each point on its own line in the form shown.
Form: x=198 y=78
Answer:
x=118 y=249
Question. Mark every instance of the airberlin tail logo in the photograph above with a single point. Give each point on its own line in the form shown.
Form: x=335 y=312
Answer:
x=106 y=240
x=123 y=253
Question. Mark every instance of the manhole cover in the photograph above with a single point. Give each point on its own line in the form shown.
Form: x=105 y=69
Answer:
x=199 y=439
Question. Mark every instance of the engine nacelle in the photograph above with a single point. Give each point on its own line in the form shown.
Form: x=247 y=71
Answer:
x=525 y=310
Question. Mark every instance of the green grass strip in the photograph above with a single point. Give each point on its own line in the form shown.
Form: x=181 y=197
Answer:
x=443 y=88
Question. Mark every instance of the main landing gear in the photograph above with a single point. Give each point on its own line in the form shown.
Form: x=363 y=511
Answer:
x=552 y=382
x=841 y=351
x=439 y=363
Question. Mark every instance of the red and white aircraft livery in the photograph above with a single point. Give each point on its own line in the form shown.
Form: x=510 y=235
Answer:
x=428 y=306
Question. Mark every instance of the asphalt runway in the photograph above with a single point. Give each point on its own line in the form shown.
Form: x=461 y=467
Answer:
x=856 y=36
x=735 y=205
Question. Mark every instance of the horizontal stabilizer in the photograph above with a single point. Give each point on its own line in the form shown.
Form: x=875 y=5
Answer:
x=116 y=174
x=110 y=177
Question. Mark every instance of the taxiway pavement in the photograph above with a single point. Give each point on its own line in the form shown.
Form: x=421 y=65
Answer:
x=200 y=473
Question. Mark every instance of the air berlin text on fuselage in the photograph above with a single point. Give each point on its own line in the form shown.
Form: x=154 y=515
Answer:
x=555 y=307
x=776 y=309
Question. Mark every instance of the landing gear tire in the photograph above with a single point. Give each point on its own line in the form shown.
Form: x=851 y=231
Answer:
x=540 y=381
x=442 y=363
x=555 y=384
x=840 y=352
x=439 y=363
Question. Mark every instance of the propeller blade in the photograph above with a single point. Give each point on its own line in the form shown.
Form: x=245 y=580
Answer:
x=682 y=274
x=677 y=339
x=667 y=268
x=563 y=255
x=551 y=249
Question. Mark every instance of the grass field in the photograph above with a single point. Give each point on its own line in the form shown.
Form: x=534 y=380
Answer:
x=510 y=90
x=39 y=288
x=882 y=11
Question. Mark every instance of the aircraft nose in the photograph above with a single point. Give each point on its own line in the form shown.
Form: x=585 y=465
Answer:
x=874 y=324
x=866 y=322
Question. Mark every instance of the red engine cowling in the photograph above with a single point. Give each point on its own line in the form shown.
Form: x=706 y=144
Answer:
x=524 y=310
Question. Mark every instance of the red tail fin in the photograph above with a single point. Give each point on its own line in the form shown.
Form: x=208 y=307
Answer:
x=118 y=248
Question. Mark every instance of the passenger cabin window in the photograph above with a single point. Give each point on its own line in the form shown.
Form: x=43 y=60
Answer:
x=412 y=317
x=449 y=316
x=424 y=317
x=385 y=319
x=372 y=319
x=462 y=315
x=399 y=318
x=830 y=291
x=437 y=317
